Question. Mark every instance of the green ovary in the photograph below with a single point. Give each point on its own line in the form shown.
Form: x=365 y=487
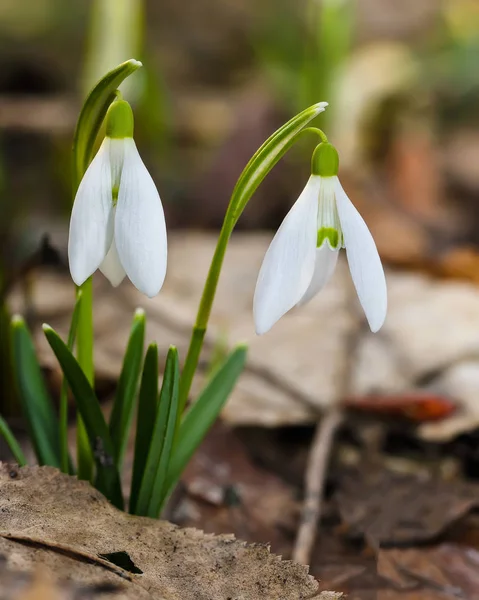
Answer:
x=331 y=235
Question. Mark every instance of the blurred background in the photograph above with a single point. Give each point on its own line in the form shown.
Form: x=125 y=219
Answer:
x=402 y=81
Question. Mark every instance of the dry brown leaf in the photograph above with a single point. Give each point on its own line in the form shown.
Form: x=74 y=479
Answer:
x=389 y=509
x=62 y=518
x=442 y=572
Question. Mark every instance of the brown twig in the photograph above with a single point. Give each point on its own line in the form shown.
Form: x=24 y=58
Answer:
x=314 y=482
x=317 y=467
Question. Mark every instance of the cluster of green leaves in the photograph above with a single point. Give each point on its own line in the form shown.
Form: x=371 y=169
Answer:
x=165 y=439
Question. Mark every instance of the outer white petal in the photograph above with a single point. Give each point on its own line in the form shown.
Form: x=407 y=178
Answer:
x=91 y=223
x=326 y=260
x=111 y=266
x=364 y=262
x=288 y=265
x=140 y=230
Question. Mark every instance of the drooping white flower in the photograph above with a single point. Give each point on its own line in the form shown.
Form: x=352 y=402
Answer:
x=117 y=223
x=303 y=254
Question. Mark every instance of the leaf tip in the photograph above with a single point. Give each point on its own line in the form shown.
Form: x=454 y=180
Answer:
x=139 y=314
x=135 y=63
x=17 y=321
x=46 y=328
x=320 y=107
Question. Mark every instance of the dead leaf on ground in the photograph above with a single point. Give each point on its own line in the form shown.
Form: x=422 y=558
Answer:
x=391 y=509
x=443 y=572
x=44 y=522
x=225 y=491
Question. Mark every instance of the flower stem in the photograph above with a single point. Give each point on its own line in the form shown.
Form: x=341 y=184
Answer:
x=204 y=311
x=85 y=359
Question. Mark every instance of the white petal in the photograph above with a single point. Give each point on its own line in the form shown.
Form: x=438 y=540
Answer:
x=288 y=265
x=111 y=267
x=364 y=262
x=326 y=260
x=91 y=223
x=140 y=230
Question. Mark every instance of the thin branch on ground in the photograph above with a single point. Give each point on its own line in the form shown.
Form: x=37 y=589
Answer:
x=317 y=467
x=314 y=482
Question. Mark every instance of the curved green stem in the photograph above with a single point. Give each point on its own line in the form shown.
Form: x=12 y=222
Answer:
x=274 y=148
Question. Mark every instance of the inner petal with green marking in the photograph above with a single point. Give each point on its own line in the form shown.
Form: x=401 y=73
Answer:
x=329 y=226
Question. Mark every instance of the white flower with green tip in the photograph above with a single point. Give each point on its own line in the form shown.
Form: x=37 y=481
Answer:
x=117 y=223
x=303 y=254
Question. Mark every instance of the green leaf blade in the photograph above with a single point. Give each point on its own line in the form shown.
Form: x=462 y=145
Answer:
x=36 y=402
x=108 y=478
x=147 y=408
x=123 y=407
x=66 y=463
x=204 y=412
x=168 y=396
x=12 y=443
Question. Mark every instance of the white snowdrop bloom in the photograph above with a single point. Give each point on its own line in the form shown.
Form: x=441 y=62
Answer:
x=303 y=254
x=117 y=223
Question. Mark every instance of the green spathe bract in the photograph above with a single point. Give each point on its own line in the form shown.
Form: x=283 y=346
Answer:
x=325 y=160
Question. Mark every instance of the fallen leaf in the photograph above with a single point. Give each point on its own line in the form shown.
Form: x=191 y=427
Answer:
x=391 y=509
x=45 y=510
x=225 y=491
x=448 y=571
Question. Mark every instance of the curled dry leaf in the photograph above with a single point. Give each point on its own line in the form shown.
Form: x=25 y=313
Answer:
x=54 y=520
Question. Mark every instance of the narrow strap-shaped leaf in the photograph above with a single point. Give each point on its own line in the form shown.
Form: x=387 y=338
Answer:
x=12 y=442
x=108 y=478
x=92 y=115
x=147 y=408
x=36 y=402
x=204 y=412
x=66 y=463
x=170 y=382
x=160 y=488
x=122 y=413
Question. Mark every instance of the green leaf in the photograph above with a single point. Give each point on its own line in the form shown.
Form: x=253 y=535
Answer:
x=147 y=408
x=36 y=403
x=154 y=477
x=66 y=463
x=204 y=412
x=266 y=157
x=108 y=478
x=93 y=114
x=122 y=413
x=12 y=442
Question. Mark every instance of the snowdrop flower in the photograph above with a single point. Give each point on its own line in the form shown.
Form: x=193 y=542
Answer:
x=303 y=254
x=117 y=223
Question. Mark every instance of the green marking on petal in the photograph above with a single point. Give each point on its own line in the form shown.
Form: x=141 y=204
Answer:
x=330 y=235
x=114 y=194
